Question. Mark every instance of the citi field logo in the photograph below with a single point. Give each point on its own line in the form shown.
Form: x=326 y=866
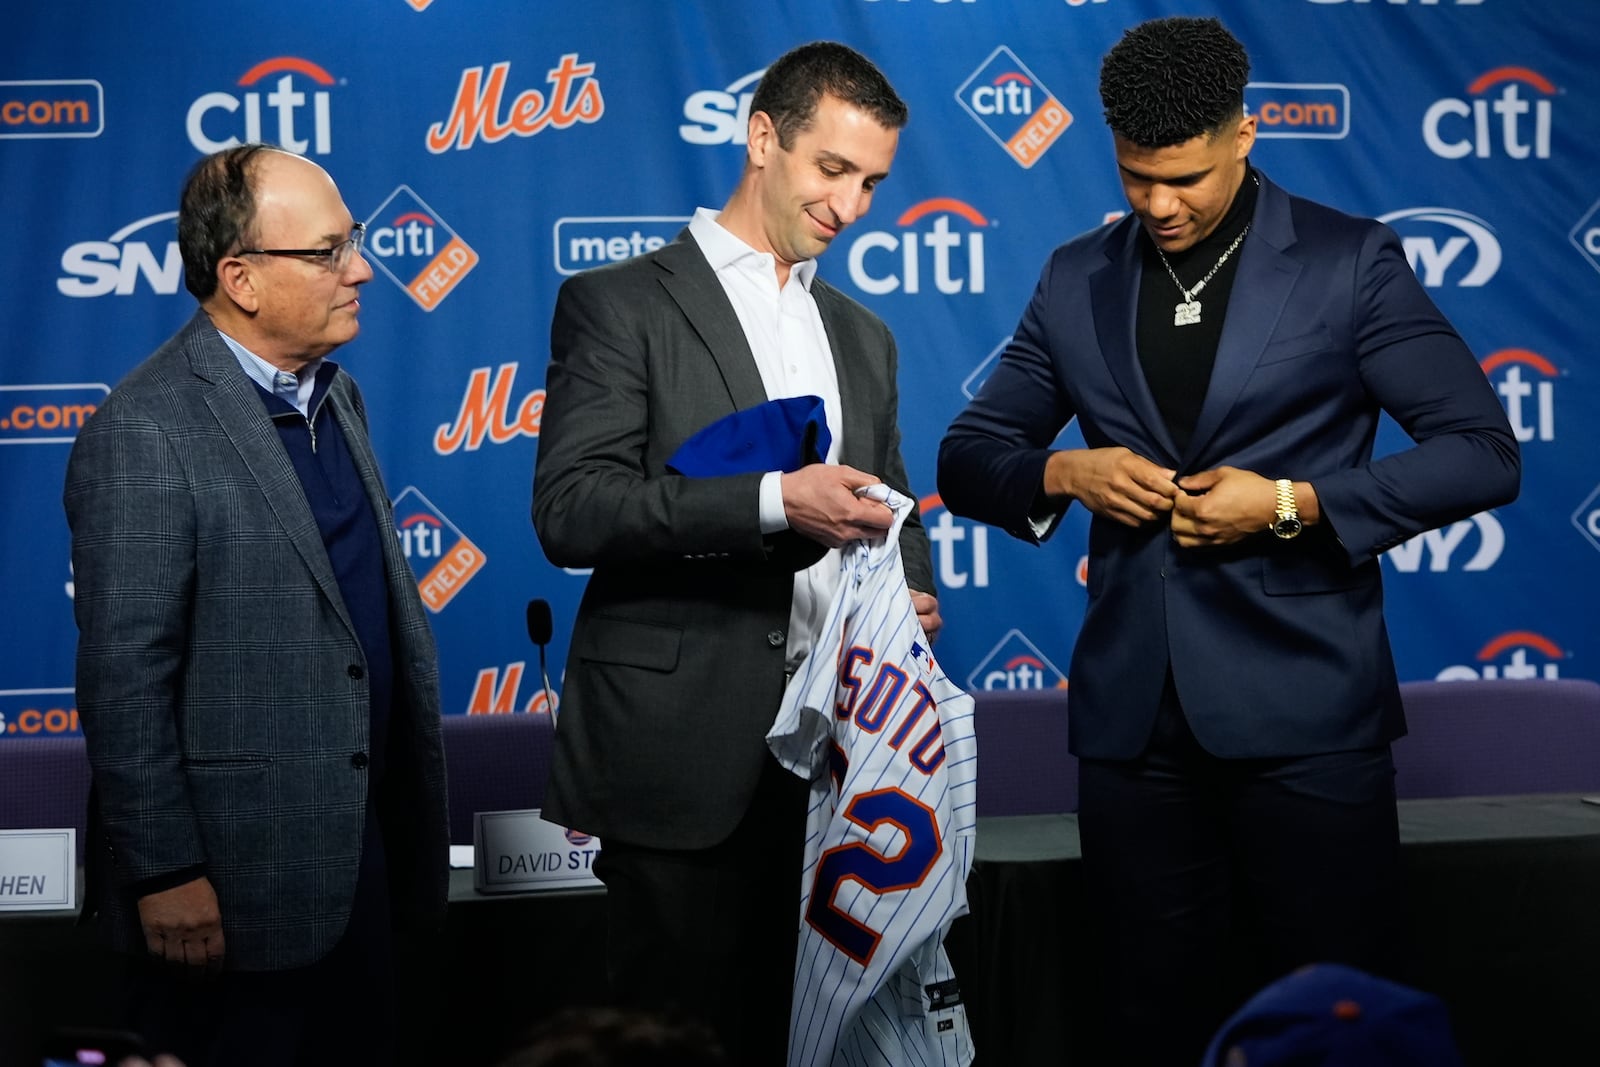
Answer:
x=972 y=384
x=1435 y=239
x=960 y=548
x=1587 y=519
x=1530 y=404
x=882 y=262
x=1014 y=106
x=297 y=120
x=442 y=557
x=720 y=116
x=1452 y=548
x=1585 y=236
x=1016 y=663
x=480 y=111
x=497 y=694
x=1506 y=122
x=1291 y=109
x=409 y=242
x=42 y=109
x=419 y=5
x=47 y=414
x=486 y=413
x=145 y=249
x=581 y=243
x=1493 y=660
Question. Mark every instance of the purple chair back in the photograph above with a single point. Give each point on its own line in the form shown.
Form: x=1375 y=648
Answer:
x=44 y=785
x=495 y=763
x=1024 y=767
x=1499 y=737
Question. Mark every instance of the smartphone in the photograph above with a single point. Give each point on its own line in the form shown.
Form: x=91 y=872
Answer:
x=78 y=1046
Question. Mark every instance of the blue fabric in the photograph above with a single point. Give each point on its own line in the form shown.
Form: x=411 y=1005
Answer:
x=779 y=435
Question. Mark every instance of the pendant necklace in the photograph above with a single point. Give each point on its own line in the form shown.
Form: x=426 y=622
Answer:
x=1188 y=312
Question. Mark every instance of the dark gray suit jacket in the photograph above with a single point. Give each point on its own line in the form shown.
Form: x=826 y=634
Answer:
x=676 y=668
x=220 y=683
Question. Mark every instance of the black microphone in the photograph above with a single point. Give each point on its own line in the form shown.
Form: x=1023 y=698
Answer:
x=540 y=629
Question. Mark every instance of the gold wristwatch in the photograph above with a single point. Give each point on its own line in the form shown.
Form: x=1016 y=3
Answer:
x=1286 y=522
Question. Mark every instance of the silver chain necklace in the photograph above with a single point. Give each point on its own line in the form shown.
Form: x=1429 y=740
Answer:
x=1188 y=312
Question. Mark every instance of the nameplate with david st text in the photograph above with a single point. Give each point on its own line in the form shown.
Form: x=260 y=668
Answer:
x=518 y=852
x=38 y=870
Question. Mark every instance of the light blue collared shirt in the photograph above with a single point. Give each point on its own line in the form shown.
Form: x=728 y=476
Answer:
x=296 y=389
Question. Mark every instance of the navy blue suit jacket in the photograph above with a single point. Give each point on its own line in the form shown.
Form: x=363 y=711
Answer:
x=1277 y=648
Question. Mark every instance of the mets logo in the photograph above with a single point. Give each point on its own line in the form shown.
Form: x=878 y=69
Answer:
x=441 y=556
x=574 y=97
x=409 y=242
x=1016 y=663
x=1013 y=106
x=298 y=121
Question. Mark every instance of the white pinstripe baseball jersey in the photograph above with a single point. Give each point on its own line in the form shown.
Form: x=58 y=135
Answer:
x=887 y=742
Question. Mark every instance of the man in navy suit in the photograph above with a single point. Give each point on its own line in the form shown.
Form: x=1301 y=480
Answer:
x=1227 y=349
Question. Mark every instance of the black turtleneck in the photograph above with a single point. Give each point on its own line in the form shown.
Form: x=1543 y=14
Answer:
x=1177 y=360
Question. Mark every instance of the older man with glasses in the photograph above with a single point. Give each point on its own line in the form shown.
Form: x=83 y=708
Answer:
x=256 y=680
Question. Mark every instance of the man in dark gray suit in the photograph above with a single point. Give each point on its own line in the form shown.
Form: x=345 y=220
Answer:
x=256 y=679
x=708 y=591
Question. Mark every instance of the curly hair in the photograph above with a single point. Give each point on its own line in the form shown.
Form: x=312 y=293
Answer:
x=797 y=81
x=1170 y=80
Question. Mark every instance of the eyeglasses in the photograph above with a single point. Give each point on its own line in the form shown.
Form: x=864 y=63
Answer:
x=338 y=257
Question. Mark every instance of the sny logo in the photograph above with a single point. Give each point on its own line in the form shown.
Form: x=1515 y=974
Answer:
x=98 y=268
x=284 y=100
x=1469 y=124
x=1440 y=546
x=1534 y=421
x=581 y=243
x=409 y=242
x=720 y=116
x=946 y=535
x=1016 y=663
x=486 y=412
x=943 y=241
x=574 y=97
x=1519 y=643
x=1432 y=258
x=1288 y=109
x=1013 y=106
x=39 y=109
x=441 y=556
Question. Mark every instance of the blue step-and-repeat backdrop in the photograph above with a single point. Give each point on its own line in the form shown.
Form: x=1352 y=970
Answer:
x=495 y=148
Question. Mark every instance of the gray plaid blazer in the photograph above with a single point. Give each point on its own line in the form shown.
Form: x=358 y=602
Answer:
x=220 y=684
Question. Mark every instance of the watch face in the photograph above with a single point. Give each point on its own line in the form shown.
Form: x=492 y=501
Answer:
x=1287 y=527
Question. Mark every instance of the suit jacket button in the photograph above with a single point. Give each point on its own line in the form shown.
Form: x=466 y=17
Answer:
x=359 y=761
x=355 y=671
x=776 y=638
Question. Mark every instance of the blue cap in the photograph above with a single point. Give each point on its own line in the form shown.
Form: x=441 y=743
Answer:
x=1330 y=1015
x=779 y=435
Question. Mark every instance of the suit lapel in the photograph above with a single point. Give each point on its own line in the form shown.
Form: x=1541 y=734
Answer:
x=1260 y=291
x=852 y=372
x=237 y=406
x=1114 y=296
x=688 y=278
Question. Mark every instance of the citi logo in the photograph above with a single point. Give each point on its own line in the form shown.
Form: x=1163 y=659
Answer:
x=1520 y=644
x=882 y=262
x=486 y=413
x=1585 y=236
x=1016 y=663
x=1519 y=126
x=1435 y=238
x=414 y=247
x=480 y=109
x=581 y=243
x=960 y=549
x=116 y=265
x=40 y=109
x=1587 y=518
x=496 y=694
x=292 y=127
x=1530 y=404
x=441 y=556
x=1013 y=106
x=1290 y=109
x=1441 y=549
x=972 y=384
x=720 y=116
